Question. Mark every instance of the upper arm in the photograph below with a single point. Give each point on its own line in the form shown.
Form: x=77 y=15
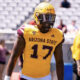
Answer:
x=18 y=47
x=58 y=53
x=58 y=50
x=20 y=43
x=17 y=50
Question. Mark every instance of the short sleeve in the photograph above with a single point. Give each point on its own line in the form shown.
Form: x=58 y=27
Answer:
x=60 y=35
x=20 y=31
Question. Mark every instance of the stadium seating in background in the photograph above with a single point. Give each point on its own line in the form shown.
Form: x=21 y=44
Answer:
x=67 y=15
x=14 y=12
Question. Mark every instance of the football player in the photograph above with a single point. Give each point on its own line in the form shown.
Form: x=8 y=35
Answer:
x=38 y=44
x=75 y=48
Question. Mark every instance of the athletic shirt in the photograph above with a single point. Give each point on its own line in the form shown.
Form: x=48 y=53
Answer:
x=38 y=50
x=75 y=48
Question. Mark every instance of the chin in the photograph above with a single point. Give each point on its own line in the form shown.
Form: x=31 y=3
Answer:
x=46 y=30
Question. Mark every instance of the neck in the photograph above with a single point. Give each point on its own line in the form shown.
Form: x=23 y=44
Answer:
x=44 y=31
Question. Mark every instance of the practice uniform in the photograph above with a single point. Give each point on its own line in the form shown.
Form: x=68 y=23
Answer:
x=75 y=48
x=38 y=50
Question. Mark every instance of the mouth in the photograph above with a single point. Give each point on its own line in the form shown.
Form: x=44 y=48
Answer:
x=46 y=28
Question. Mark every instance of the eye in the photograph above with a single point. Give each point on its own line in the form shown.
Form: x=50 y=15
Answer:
x=52 y=17
x=47 y=17
x=40 y=17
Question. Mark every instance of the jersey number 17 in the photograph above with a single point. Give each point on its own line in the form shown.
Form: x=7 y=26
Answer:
x=35 y=48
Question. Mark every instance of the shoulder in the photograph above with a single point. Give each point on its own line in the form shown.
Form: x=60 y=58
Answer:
x=57 y=31
x=20 y=31
x=58 y=34
x=77 y=40
x=24 y=27
x=30 y=27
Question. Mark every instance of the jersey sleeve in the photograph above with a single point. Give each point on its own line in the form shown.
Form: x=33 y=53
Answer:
x=60 y=36
x=20 y=31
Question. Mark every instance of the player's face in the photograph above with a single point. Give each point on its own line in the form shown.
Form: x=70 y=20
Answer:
x=45 y=27
x=46 y=21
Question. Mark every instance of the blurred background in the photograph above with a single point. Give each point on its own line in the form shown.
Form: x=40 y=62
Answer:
x=13 y=13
